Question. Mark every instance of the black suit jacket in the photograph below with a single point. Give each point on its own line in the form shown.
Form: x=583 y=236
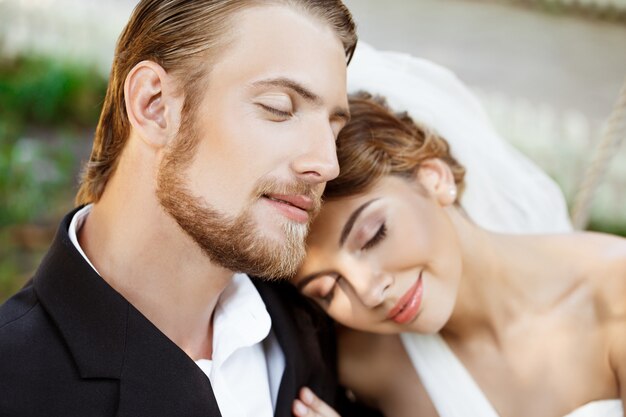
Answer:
x=71 y=346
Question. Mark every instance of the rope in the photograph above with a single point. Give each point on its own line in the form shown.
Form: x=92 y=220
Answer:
x=613 y=136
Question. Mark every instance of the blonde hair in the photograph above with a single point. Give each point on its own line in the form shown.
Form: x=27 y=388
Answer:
x=179 y=35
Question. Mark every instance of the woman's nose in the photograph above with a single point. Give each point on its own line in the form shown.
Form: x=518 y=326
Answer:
x=371 y=286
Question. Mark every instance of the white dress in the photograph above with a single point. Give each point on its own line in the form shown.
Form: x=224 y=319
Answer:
x=454 y=392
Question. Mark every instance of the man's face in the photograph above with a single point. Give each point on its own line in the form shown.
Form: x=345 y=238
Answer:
x=265 y=133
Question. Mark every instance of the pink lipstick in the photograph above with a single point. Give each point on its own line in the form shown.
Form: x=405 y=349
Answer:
x=408 y=306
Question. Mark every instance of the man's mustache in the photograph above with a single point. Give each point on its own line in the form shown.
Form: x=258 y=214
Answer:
x=269 y=186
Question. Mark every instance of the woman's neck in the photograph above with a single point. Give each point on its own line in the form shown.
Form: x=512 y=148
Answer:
x=506 y=280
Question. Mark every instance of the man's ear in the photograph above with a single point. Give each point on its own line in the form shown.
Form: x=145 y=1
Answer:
x=436 y=176
x=153 y=103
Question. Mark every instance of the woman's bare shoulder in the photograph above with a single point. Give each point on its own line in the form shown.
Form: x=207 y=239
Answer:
x=606 y=267
x=607 y=272
x=611 y=302
x=603 y=258
x=597 y=257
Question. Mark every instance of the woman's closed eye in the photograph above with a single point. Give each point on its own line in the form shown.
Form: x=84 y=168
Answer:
x=377 y=238
x=322 y=287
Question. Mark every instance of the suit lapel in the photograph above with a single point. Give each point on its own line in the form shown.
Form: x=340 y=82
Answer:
x=287 y=335
x=299 y=337
x=158 y=378
x=109 y=338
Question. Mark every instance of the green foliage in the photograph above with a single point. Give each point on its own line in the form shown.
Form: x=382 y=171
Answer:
x=9 y=281
x=45 y=99
x=607 y=226
x=45 y=105
x=33 y=177
x=12 y=277
x=46 y=93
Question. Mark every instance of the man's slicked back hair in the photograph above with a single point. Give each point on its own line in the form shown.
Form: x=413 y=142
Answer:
x=185 y=37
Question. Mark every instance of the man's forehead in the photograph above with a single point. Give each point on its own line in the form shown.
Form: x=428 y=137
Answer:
x=281 y=47
x=279 y=26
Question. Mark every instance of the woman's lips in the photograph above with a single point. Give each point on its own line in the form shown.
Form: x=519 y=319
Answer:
x=408 y=306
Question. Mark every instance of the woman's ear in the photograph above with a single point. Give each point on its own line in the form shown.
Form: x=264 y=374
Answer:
x=153 y=103
x=436 y=176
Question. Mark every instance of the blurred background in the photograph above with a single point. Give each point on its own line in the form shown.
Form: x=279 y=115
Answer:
x=549 y=73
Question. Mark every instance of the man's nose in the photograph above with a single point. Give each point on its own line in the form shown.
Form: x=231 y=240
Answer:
x=317 y=161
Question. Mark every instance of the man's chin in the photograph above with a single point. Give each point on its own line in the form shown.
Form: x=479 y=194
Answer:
x=258 y=242
x=279 y=230
x=280 y=252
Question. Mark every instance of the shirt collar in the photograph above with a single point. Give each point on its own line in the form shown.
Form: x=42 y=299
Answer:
x=240 y=319
x=77 y=222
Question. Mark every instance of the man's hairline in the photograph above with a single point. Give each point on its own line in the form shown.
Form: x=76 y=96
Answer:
x=230 y=37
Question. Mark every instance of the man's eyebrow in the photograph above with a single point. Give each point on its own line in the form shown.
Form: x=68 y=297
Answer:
x=351 y=220
x=337 y=113
x=295 y=86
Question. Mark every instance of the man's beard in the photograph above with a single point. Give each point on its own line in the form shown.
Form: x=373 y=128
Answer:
x=233 y=242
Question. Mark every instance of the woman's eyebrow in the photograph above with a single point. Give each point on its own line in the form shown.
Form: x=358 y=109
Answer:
x=351 y=220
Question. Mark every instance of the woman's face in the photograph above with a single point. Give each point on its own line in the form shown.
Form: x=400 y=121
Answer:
x=386 y=261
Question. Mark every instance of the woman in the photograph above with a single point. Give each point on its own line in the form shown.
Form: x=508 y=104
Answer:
x=452 y=319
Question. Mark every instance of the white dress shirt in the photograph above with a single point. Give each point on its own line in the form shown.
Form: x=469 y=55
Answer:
x=247 y=363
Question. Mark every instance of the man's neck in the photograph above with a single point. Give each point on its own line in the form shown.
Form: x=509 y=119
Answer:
x=145 y=256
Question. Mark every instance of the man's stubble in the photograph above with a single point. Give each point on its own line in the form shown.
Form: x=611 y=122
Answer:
x=234 y=242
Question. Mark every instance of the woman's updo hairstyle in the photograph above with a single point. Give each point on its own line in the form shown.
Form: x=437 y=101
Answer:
x=378 y=142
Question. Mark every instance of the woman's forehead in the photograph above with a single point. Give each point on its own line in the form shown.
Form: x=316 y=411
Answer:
x=329 y=221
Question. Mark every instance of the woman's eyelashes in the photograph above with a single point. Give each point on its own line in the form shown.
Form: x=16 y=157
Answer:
x=327 y=286
x=328 y=298
x=377 y=238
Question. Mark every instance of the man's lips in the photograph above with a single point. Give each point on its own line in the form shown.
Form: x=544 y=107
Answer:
x=408 y=305
x=295 y=207
x=300 y=201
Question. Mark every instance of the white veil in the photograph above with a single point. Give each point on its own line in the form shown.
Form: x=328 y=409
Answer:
x=504 y=190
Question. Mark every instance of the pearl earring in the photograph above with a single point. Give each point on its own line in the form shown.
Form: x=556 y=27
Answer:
x=452 y=192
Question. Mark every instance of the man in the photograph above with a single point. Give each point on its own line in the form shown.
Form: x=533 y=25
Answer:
x=213 y=147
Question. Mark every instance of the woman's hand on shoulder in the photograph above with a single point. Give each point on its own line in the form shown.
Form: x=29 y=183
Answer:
x=309 y=405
